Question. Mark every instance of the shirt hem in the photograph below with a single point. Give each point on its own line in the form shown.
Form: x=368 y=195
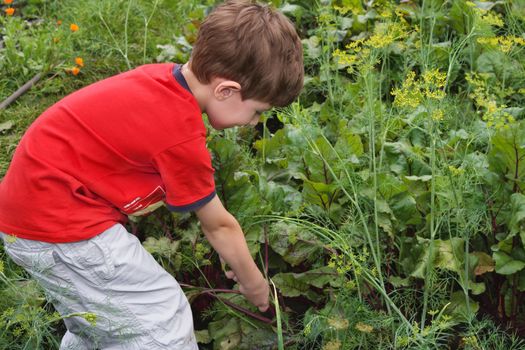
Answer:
x=62 y=237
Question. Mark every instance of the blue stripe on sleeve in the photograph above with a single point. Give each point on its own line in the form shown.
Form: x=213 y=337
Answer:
x=193 y=206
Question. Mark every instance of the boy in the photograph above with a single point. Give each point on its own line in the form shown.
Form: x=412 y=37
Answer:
x=125 y=144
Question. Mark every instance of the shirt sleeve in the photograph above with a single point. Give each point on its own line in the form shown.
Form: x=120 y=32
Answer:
x=187 y=175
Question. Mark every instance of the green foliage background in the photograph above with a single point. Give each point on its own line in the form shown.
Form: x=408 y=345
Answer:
x=387 y=205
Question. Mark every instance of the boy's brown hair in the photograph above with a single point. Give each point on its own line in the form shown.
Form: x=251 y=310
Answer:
x=254 y=45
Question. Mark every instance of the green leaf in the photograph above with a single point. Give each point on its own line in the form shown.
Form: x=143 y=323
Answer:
x=203 y=336
x=485 y=263
x=226 y=333
x=405 y=210
x=313 y=47
x=506 y=265
x=517 y=221
x=451 y=254
x=294 y=244
x=399 y=282
x=293 y=10
x=477 y=288
x=389 y=185
x=257 y=338
x=460 y=308
x=403 y=160
x=283 y=198
x=296 y=284
x=507 y=156
x=425 y=259
x=320 y=193
x=234 y=184
x=162 y=246
x=290 y=286
x=348 y=144
x=5 y=126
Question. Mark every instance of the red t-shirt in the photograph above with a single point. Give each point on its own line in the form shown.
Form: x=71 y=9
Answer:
x=108 y=150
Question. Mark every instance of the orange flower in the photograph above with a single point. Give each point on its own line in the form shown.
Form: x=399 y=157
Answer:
x=8 y=2
x=59 y=22
x=73 y=27
x=79 y=61
x=75 y=70
x=9 y=11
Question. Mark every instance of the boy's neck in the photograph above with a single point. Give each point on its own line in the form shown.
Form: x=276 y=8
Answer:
x=201 y=92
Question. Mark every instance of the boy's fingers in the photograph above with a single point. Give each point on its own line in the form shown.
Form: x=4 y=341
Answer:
x=264 y=308
x=269 y=313
x=231 y=275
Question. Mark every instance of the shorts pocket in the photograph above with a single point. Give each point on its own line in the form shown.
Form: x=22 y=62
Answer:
x=91 y=256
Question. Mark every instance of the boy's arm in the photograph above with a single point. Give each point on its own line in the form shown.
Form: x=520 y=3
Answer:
x=225 y=235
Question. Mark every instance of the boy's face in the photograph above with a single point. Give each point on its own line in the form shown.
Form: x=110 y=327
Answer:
x=227 y=109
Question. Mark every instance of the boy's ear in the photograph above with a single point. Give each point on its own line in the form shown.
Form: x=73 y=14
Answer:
x=225 y=89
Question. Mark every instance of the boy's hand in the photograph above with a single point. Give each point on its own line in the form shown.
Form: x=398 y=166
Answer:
x=257 y=294
x=225 y=235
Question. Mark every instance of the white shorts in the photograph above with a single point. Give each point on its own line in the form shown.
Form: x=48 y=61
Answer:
x=138 y=305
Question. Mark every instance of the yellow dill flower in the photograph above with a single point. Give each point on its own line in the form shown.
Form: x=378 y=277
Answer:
x=433 y=312
x=355 y=45
x=91 y=318
x=491 y=107
x=342 y=9
x=438 y=115
x=406 y=98
x=350 y=285
x=409 y=95
x=502 y=43
x=505 y=44
x=433 y=82
x=477 y=80
x=490 y=41
x=519 y=40
x=378 y=41
x=363 y=327
x=307 y=329
x=338 y=323
x=343 y=58
x=403 y=341
x=493 y=19
x=471 y=341
x=332 y=345
x=385 y=13
x=434 y=77
x=401 y=16
x=456 y=171
x=325 y=17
